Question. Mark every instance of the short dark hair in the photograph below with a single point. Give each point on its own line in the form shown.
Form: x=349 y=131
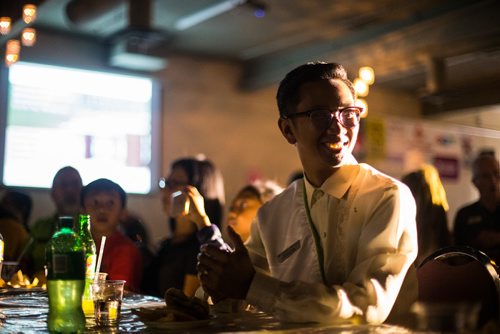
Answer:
x=103 y=185
x=288 y=90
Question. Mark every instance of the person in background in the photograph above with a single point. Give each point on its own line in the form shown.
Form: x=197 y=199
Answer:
x=247 y=201
x=335 y=246
x=174 y=265
x=432 y=205
x=65 y=193
x=20 y=204
x=14 y=234
x=132 y=226
x=478 y=224
x=105 y=202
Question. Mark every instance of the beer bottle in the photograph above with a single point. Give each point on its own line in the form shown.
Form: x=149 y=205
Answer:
x=83 y=231
x=65 y=279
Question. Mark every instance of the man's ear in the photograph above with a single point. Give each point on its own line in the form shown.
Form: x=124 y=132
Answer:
x=286 y=130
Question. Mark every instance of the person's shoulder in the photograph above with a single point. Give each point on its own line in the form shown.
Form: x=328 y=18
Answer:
x=294 y=190
x=371 y=176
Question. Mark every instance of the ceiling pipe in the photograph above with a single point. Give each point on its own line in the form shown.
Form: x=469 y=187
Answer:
x=85 y=12
x=435 y=75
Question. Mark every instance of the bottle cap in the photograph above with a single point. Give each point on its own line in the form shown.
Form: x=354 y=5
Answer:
x=66 y=221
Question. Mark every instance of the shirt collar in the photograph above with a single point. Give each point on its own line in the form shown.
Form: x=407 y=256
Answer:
x=338 y=183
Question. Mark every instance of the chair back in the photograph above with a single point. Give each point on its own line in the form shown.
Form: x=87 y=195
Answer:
x=461 y=275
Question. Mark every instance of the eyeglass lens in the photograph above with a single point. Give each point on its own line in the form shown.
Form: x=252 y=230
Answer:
x=348 y=117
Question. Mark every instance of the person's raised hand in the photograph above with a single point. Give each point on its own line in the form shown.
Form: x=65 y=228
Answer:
x=223 y=274
x=197 y=212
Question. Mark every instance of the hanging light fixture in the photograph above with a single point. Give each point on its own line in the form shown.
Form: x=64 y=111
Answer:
x=12 y=52
x=367 y=74
x=363 y=104
x=361 y=87
x=29 y=13
x=4 y=25
x=28 y=37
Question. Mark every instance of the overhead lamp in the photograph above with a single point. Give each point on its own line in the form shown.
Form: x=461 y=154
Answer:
x=28 y=37
x=29 y=13
x=361 y=87
x=367 y=74
x=4 y=25
x=363 y=104
x=12 y=52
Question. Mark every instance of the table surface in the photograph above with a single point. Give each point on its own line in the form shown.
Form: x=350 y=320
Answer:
x=25 y=311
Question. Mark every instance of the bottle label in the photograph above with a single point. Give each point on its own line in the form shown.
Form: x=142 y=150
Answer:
x=60 y=263
x=69 y=265
x=90 y=266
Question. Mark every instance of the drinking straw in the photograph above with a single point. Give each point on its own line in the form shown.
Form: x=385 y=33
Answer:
x=101 y=250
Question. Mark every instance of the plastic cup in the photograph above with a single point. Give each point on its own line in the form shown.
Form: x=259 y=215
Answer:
x=107 y=297
x=8 y=269
x=87 y=300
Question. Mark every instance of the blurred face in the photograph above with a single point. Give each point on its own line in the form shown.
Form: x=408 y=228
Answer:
x=65 y=192
x=175 y=181
x=242 y=213
x=105 y=210
x=487 y=178
x=321 y=150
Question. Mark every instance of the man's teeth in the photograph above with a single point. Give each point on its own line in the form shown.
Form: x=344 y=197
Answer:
x=335 y=146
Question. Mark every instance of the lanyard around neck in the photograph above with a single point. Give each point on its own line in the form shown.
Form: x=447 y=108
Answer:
x=317 y=241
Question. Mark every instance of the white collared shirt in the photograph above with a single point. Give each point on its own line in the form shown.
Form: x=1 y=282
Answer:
x=366 y=227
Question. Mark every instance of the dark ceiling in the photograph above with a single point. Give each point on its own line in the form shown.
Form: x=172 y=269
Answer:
x=447 y=52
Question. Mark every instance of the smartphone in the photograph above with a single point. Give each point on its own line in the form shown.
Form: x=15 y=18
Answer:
x=179 y=204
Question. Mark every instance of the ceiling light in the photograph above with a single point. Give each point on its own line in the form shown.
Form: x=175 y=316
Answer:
x=363 y=104
x=29 y=13
x=4 y=25
x=12 y=52
x=28 y=37
x=361 y=87
x=367 y=75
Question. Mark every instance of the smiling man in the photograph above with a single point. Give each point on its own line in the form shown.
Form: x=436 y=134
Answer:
x=105 y=202
x=334 y=247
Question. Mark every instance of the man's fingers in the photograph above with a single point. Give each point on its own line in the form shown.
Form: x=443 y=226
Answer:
x=236 y=239
x=213 y=252
x=207 y=263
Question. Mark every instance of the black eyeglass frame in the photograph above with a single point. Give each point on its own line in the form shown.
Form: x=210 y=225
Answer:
x=333 y=115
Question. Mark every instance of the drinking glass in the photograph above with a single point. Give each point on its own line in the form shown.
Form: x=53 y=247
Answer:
x=107 y=296
x=8 y=269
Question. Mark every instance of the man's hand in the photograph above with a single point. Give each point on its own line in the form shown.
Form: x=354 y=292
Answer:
x=223 y=274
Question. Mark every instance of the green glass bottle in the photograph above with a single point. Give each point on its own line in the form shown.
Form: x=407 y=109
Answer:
x=83 y=231
x=65 y=279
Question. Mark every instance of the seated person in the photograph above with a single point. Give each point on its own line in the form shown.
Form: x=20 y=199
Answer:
x=20 y=204
x=65 y=193
x=478 y=224
x=14 y=235
x=105 y=202
x=174 y=265
x=432 y=205
x=245 y=204
x=336 y=246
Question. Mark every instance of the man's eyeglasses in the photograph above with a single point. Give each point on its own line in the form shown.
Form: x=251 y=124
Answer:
x=171 y=184
x=323 y=118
